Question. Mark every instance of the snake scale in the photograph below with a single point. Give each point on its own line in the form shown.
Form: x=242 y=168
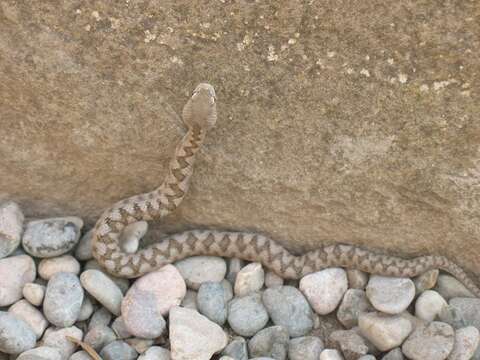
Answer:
x=199 y=115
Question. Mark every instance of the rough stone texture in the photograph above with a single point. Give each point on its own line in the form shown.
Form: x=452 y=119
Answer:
x=359 y=118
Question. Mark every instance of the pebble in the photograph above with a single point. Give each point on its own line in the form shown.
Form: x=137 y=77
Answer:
x=367 y=357
x=63 y=299
x=354 y=303
x=227 y=289
x=102 y=288
x=324 y=289
x=15 y=272
x=234 y=266
x=57 y=338
x=452 y=316
x=288 y=307
x=99 y=336
x=11 y=227
x=131 y=236
x=86 y=310
x=390 y=295
x=101 y=317
x=65 y=263
x=247 y=315
x=468 y=309
x=120 y=329
x=83 y=251
x=51 y=237
x=155 y=353
x=212 y=301
x=34 y=293
x=190 y=300
x=466 y=342
x=118 y=350
x=395 y=354
x=25 y=311
x=80 y=355
x=270 y=342
x=149 y=299
x=429 y=305
x=350 y=343
x=426 y=281
x=193 y=336
x=199 y=269
x=449 y=287
x=330 y=354
x=41 y=353
x=384 y=331
x=249 y=279
x=357 y=279
x=272 y=279
x=305 y=348
x=16 y=336
x=237 y=349
x=140 y=345
x=433 y=341
x=122 y=283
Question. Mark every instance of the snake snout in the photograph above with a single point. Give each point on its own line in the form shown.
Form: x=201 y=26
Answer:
x=201 y=109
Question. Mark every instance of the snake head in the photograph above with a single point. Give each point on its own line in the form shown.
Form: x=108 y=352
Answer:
x=201 y=109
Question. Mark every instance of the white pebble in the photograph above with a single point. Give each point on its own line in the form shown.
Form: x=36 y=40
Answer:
x=50 y=266
x=102 y=288
x=466 y=342
x=324 y=289
x=390 y=295
x=34 y=293
x=199 y=269
x=15 y=272
x=16 y=336
x=31 y=315
x=57 y=338
x=131 y=236
x=330 y=354
x=384 y=331
x=11 y=228
x=429 y=305
x=193 y=336
x=249 y=279
x=41 y=353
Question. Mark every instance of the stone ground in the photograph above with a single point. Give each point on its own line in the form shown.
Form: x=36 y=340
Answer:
x=338 y=120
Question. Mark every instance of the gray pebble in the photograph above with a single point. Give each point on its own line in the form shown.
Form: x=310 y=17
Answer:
x=11 y=227
x=155 y=353
x=118 y=350
x=120 y=329
x=101 y=317
x=305 y=348
x=234 y=266
x=452 y=316
x=139 y=345
x=103 y=289
x=237 y=349
x=86 y=310
x=99 y=336
x=212 y=302
x=395 y=354
x=15 y=335
x=122 y=283
x=354 y=303
x=288 y=307
x=247 y=315
x=449 y=287
x=190 y=300
x=468 y=309
x=390 y=295
x=271 y=342
x=350 y=343
x=83 y=252
x=41 y=353
x=51 y=237
x=63 y=299
x=433 y=341
x=466 y=342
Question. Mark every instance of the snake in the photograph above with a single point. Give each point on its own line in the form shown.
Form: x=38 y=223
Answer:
x=199 y=116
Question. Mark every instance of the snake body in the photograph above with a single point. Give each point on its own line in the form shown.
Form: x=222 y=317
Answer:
x=199 y=114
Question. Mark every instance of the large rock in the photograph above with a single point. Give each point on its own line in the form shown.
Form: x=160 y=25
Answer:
x=338 y=121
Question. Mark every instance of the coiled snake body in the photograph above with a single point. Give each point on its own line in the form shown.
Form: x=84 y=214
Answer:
x=199 y=114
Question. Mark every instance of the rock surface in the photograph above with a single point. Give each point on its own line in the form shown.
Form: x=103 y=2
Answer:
x=11 y=227
x=355 y=117
x=15 y=272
